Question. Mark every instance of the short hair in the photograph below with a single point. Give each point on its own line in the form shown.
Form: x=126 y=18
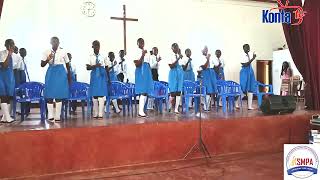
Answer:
x=245 y=45
x=110 y=53
x=69 y=54
x=187 y=50
x=121 y=51
x=8 y=42
x=95 y=42
x=140 y=39
x=154 y=48
x=174 y=45
x=22 y=49
x=55 y=38
x=218 y=50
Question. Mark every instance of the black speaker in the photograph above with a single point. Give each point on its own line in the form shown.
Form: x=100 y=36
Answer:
x=278 y=104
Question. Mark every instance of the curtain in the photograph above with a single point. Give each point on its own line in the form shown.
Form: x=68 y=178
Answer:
x=304 y=45
x=1 y=4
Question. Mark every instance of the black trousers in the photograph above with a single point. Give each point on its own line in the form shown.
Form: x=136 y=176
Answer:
x=120 y=77
x=155 y=75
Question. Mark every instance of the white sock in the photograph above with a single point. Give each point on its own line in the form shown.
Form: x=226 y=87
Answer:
x=6 y=114
x=250 y=97
x=101 y=106
x=50 y=110
x=190 y=102
x=150 y=103
x=170 y=102
x=142 y=101
x=58 y=111
x=207 y=104
x=115 y=104
x=95 y=107
x=176 y=109
x=18 y=108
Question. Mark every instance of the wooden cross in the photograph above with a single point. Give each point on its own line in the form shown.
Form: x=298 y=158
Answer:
x=124 y=19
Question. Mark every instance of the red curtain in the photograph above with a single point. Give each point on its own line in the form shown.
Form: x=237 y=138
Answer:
x=1 y=4
x=304 y=45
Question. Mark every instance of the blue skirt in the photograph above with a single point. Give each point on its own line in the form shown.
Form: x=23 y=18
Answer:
x=176 y=79
x=143 y=79
x=7 y=82
x=113 y=76
x=209 y=80
x=98 y=82
x=220 y=74
x=20 y=77
x=189 y=75
x=247 y=79
x=56 y=83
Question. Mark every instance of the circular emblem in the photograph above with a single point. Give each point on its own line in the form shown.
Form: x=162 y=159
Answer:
x=302 y=162
x=88 y=9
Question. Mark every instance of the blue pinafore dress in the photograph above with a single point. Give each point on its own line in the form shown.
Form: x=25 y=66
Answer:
x=143 y=79
x=7 y=80
x=247 y=79
x=189 y=74
x=98 y=81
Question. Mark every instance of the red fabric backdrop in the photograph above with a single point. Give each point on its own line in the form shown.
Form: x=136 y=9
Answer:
x=1 y=4
x=304 y=44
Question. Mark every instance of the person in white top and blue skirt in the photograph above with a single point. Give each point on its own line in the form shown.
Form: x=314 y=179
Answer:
x=187 y=67
x=247 y=77
x=57 y=78
x=208 y=76
x=143 y=77
x=7 y=81
x=111 y=66
x=175 y=76
x=218 y=63
x=98 y=80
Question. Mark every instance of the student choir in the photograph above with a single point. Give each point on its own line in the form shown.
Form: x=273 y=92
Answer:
x=104 y=69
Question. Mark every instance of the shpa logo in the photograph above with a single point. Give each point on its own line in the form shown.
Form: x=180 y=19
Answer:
x=302 y=162
x=284 y=16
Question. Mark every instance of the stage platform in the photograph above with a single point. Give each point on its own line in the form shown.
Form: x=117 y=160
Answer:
x=31 y=148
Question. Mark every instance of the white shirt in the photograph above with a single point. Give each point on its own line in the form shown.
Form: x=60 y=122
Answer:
x=3 y=55
x=121 y=68
x=173 y=58
x=110 y=64
x=247 y=57
x=184 y=61
x=17 y=61
x=203 y=61
x=60 y=56
x=153 y=61
x=138 y=53
x=215 y=62
x=92 y=60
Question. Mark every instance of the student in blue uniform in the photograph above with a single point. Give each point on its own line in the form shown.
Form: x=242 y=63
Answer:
x=98 y=80
x=7 y=81
x=122 y=67
x=247 y=77
x=143 y=76
x=208 y=77
x=111 y=66
x=187 y=66
x=175 y=76
x=57 y=78
x=74 y=79
x=218 y=64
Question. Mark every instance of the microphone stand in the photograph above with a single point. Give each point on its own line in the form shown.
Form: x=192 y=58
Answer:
x=200 y=145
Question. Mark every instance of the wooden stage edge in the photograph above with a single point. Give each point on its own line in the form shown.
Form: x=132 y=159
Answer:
x=34 y=153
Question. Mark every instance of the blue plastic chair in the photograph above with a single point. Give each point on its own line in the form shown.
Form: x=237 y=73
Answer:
x=119 y=90
x=78 y=92
x=160 y=94
x=192 y=90
x=234 y=92
x=27 y=93
x=133 y=97
x=260 y=94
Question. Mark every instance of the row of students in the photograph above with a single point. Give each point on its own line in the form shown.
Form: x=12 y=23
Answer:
x=102 y=72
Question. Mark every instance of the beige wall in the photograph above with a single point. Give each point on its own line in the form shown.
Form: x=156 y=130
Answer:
x=226 y=25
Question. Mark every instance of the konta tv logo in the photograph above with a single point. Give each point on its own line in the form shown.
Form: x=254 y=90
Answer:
x=284 y=15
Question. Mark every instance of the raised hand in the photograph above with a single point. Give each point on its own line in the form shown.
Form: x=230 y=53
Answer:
x=144 y=52
x=159 y=59
x=254 y=55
